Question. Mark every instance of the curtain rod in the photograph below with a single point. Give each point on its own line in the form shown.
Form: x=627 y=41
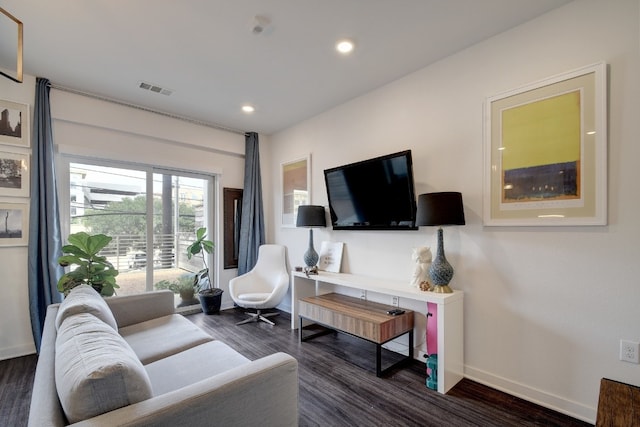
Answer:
x=149 y=110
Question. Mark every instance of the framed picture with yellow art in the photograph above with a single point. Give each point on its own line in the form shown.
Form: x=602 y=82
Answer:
x=545 y=152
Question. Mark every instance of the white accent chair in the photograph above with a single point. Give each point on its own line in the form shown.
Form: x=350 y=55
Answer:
x=264 y=286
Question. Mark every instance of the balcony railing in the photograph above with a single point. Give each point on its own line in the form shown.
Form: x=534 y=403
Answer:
x=129 y=252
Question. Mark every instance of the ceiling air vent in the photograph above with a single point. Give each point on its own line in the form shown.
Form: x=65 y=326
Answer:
x=155 y=88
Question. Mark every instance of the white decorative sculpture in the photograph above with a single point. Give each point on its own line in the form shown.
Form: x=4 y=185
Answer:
x=422 y=258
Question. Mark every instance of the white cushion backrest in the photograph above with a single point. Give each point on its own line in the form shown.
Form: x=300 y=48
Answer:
x=84 y=299
x=96 y=371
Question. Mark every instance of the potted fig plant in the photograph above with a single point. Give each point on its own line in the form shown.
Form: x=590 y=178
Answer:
x=92 y=269
x=210 y=297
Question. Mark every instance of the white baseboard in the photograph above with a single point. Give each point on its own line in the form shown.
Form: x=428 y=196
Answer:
x=17 y=351
x=539 y=397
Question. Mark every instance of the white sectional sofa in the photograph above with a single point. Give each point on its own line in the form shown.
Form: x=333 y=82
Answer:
x=130 y=361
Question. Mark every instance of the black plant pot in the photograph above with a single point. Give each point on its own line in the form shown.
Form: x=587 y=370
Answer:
x=211 y=301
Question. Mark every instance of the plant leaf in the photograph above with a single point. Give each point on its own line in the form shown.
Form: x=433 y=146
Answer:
x=201 y=233
x=207 y=245
x=79 y=240
x=96 y=243
x=74 y=250
x=65 y=260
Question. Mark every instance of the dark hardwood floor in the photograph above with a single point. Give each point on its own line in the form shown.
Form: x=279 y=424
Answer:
x=338 y=386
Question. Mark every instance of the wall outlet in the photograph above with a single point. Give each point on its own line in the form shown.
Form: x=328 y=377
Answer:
x=363 y=294
x=629 y=351
x=395 y=302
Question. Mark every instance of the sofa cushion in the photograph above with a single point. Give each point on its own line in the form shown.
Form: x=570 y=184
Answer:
x=95 y=369
x=192 y=365
x=84 y=299
x=161 y=337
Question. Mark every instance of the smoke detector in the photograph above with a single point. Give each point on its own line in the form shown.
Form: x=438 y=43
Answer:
x=259 y=24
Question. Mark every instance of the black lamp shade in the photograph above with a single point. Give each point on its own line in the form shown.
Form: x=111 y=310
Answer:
x=440 y=209
x=311 y=216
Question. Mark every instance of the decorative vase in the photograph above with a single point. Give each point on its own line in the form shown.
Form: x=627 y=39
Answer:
x=440 y=271
x=311 y=256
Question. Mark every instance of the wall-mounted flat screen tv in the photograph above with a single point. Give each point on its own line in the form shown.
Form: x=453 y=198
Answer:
x=374 y=194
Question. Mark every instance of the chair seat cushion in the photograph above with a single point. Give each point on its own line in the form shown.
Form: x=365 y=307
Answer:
x=254 y=297
x=162 y=337
x=192 y=365
x=95 y=369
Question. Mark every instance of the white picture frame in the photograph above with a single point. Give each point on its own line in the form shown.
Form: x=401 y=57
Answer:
x=295 y=184
x=14 y=123
x=545 y=152
x=330 y=256
x=14 y=224
x=14 y=174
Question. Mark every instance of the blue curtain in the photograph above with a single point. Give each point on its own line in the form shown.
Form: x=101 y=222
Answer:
x=45 y=243
x=252 y=224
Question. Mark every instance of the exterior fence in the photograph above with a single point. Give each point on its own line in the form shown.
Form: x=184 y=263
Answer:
x=128 y=252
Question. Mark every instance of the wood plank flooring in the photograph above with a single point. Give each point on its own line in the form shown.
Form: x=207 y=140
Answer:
x=338 y=386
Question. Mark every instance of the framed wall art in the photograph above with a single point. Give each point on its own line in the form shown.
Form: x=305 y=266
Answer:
x=545 y=152
x=296 y=188
x=232 y=212
x=330 y=256
x=11 y=33
x=14 y=174
x=14 y=123
x=14 y=224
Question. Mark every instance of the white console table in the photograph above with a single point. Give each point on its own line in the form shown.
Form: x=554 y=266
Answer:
x=450 y=313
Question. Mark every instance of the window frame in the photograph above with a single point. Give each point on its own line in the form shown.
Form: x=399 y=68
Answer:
x=64 y=197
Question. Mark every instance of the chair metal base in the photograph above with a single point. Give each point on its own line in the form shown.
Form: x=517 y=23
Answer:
x=259 y=316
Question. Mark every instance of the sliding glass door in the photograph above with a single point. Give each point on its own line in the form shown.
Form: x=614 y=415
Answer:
x=151 y=214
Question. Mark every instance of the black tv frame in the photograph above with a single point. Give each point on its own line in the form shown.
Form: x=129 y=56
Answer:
x=407 y=155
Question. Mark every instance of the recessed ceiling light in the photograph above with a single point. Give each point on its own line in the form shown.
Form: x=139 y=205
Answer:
x=344 y=46
x=248 y=108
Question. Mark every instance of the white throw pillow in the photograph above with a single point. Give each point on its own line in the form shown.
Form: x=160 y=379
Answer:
x=85 y=299
x=95 y=369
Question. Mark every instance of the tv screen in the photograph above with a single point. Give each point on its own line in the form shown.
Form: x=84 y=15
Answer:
x=374 y=194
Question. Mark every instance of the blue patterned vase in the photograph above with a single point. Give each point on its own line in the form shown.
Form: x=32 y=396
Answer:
x=440 y=271
x=311 y=256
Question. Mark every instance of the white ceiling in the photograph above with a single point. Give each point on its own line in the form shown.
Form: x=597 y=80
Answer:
x=205 y=51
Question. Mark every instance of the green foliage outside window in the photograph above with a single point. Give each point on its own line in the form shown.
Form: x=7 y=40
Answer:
x=128 y=217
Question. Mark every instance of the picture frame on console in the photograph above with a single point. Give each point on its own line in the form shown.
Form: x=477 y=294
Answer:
x=296 y=188
x=330 y=256
x=545 y=152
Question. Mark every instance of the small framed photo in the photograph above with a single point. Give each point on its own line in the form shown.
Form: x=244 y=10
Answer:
x=14 y=123
x=14 y=174
x=14 y=224
x=330 y=256
x=545 y=152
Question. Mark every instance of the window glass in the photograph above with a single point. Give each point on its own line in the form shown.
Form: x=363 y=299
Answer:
x=149 y=238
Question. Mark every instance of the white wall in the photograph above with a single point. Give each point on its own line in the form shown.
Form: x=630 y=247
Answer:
x=545 y=308
x=15 y=326
x=85 y=126
x=88 y=127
